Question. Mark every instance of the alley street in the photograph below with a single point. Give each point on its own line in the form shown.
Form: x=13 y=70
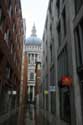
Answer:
x=41 y=62
x=29 y=116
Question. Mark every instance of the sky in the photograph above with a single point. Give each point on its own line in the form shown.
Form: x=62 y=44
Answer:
x=34 y=11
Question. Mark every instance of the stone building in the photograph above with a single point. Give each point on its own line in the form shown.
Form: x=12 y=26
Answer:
x=11 y=45
x=62 y=60
x=33 y=47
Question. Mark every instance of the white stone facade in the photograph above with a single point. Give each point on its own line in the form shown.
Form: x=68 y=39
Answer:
x=33 y=48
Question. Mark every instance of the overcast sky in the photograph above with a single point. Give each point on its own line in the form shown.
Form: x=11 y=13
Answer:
x=34 y=11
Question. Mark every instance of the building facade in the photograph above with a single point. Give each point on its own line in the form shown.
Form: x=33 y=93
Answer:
x=23 y=85
x=37 y=82
x=11 y=45
x=62 y=58
x=33 y=49
x=25 y=78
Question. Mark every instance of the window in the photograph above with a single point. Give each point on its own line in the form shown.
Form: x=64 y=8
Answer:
x=51 y=29
x=53 y=103
x=13 y=27
x=78 y=4
x=1 y=57
x=79 y=44
x=52 y=75
x=46 y=26
x=7 y=71
x=58 y=7
x=11 y=49
x=64 y=92
x=50 y=8
x=9 y=3
x=65 y=104
x=32 y=58
x=79 y=56
x=52 y=83
x=39 y=56
x=63 y=63
x=36 y=56
x=64 y=21
x=6 y=36
x=0 y=4
x=2 y=18
x=78 y=48
x=63 y=1
x=51 y=52
x=31 y=76
x=29 y=58
x=0 y=13
x=59 y=34
x=11 y=9
x=9 y=35
x=39 y=66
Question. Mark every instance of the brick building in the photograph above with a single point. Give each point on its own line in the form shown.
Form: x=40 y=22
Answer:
x=37 y=81
x=11 y=46
x=25 y=67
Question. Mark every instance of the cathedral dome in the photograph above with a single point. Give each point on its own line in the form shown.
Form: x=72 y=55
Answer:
x=33 y=39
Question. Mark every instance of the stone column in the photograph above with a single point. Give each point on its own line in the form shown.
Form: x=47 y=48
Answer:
x=34 y=58
x=28 y=89
x=31 y=59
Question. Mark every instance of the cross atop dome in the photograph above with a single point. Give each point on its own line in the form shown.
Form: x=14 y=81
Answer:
x=33 y=30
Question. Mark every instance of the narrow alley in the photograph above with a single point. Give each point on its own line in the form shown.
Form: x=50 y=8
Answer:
x=41 y=62
x=28 y=115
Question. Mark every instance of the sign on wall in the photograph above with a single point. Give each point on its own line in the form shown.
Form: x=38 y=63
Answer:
x=46 y=92
x=52 y=88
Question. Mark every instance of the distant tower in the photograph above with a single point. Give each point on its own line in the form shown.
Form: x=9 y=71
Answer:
x=33 y=30
x=33 y=47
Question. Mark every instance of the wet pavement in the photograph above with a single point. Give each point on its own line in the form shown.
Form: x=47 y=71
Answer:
x=33 y=116
x=29 y=116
